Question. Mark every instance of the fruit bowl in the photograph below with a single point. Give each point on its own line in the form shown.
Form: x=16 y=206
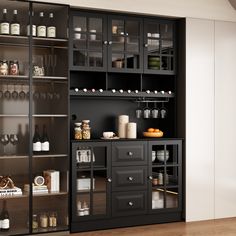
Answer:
x=153 y=134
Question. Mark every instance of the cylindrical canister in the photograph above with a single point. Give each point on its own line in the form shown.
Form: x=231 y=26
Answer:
x=132 y=130
x=123 y=120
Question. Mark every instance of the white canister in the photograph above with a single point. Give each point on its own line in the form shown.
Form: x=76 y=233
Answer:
x=123 y=120
x=132 y=130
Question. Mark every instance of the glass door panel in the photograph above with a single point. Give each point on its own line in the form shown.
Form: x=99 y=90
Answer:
x=132 y=28
x=118 y=61
x=172 y=198
x=166 y=30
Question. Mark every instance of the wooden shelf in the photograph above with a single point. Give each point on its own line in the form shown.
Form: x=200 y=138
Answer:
x=49 y=155
x=14 y=115
x=49 y=194
x=49 y=115
x=13 y=157
x=51 y=230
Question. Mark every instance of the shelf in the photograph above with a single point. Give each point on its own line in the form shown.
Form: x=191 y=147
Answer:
x=14 y=115
x=117 y=94
x=53 y=229
x=49 y=194
x=13 y=157
x=50 y=115
x=88 y=191
x=49 y=78
x=14 y=78
x=88 y=168
x=167 y=165
x=49 y=155
x=9 y=197
x=12 y=40
x=50 y=42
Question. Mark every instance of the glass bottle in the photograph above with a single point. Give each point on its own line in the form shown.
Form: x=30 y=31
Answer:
x=51 y=29
x=4 y=217
x=15 y=25
x=41 y=28
x=4 y=26
x=52 y=219
x=43 y=220
x=35 y=224
x=86 y=131
x=45 y=140
x=78 y=131
x=37 y=146
x=33 y=27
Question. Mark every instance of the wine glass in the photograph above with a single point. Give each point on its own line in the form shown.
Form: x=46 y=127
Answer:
x=7 y=94
x=163 y=112
x=138 y=111
x=14 y=93
x=4 y=140
x=22 y=94
x=146 y=112
x=155 y=111
x=13 y=140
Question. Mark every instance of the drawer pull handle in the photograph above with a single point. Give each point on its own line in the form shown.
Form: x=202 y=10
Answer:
x=130 y=178
x=150 y=177
x=109 y=180
x=130 y=203
x=130 y=154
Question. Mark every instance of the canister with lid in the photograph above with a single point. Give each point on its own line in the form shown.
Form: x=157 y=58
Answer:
x=86 y=130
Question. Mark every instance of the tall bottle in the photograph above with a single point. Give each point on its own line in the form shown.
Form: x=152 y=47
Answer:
x=5 y=220
x=45 y=140
x=51 y=29
x=37 y=146
x=33 y=27
x=41 y=28
x=4 y=26
x=15 y=25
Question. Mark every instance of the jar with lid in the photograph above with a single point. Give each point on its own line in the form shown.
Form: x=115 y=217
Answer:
x=52 y=219
x=86 y=131
x=4 y=67
x=160 y=178
x=43 y=220
x=14 y=67
x=78 y=131
x=35 y=224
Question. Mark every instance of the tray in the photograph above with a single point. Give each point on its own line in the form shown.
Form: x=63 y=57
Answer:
x=153 y=134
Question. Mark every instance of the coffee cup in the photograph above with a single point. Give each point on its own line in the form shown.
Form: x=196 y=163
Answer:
x=108 y=134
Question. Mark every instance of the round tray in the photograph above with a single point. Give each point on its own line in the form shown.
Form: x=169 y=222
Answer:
x=153 y=134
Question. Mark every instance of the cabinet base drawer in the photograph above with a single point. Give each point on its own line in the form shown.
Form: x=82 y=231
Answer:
x=129 y=203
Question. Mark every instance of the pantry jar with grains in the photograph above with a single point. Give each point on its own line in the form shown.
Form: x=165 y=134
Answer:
x=86 y=130
x=78 y=131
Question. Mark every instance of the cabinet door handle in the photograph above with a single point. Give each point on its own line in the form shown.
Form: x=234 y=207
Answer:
x=130 y=154
x=145 y=45
x=150 y=177
x=127 y=34
x=130 y=203
x=110 y=42
x=130 y=178
x=109 y=180
x=105 y=42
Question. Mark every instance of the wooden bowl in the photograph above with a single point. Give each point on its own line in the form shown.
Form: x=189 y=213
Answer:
x=153 y=134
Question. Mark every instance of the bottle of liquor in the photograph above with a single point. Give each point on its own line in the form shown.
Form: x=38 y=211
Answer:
x=5 y=220
x=5 y=26
x=37 y=145
x=45 y=140
x=15 y=25
x=41 y=28
x=51 y=29
x=33 y=27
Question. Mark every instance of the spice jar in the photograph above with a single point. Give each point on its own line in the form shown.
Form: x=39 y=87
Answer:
x=14 y=67
x=53 y=219
x=78 y=131
x=43 y=220
x=35 y=224
x=86 y=131
x=3 y=67
x=160 y=178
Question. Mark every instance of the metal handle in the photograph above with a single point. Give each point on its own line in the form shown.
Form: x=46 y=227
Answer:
x=127 y=34
x=110 y=42
x=105 y=42
x=145 y=45
x=130 y=154
x=109 y=180
x=130 y=203
x=130 y=178
x=150 y=177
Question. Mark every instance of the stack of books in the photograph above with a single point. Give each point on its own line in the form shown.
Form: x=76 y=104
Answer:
x=10 y=192
x=52 y=180
x=36 y=189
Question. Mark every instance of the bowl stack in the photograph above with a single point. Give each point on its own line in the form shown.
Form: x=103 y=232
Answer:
x=161 y=155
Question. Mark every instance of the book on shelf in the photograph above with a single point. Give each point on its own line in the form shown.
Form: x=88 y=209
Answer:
x=10 y=192
x=52 y=180
x=36 y=189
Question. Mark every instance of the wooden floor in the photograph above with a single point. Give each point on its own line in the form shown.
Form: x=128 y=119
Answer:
x=223 y=227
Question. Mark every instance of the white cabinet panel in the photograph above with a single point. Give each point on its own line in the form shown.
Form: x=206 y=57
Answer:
x=199 y=119
x=225 y=119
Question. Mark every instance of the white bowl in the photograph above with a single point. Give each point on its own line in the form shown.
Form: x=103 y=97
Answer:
x=162 y=158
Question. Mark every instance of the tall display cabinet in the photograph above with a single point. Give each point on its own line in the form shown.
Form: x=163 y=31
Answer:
x=37 y=95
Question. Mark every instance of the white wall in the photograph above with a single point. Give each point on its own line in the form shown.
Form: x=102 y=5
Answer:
x=225 y=119
x=208 y=9
x=199 y=119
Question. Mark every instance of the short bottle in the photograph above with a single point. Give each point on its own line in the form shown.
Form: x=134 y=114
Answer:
x=33 y=27
x=37 y=146
x=41 y=28
x=45 y=140
x=4 y=218
x=51 y=29
x=15 y=25
x=4 y=26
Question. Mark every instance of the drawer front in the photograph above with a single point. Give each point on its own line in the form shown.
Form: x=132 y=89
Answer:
x=129 y=178
x=129 y=203
x=129 y=153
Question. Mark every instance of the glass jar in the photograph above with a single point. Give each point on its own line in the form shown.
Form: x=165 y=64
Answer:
x=14 y=67
x=43 y=220
x=160 y=178
x=86 y=131
x=52 y=219
x=4 y=67
x=35 y=224
x=78 y=131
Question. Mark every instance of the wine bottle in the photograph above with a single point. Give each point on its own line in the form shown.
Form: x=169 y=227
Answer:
x=41 y=28
x=33 y=27
x=51 y=29
x=45 y=140
x=15 y=25
x=37 y=146
x=5 y=220
x=5 y=26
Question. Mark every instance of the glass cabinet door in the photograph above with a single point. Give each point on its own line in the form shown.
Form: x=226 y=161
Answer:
x=158 y=47
x=124 y=44
x=91 y=180
x=88 y=41
x=165 y=175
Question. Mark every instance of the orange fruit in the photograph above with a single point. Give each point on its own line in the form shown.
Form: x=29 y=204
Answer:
x=150 y=130
x=156 y=130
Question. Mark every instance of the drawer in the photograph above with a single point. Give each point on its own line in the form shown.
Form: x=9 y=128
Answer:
x=129 y=178
x=129 y=153
x=129 y=203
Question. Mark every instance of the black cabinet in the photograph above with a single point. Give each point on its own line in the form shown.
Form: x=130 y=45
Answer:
x=149 y=191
